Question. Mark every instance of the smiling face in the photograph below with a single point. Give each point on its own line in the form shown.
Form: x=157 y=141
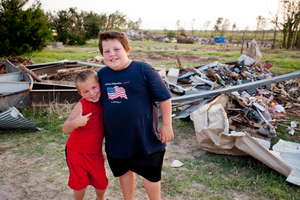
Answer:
x=114 y=54
x=89 y=89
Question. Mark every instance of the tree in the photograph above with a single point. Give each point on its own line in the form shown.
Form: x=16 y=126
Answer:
x=134 y=25
x=69 y=27
x=260 y=27
x=275 y=22
x=171 y=35
x=217 y=26
x=291 y=23
x=75 y=28
x=22 y=30
x=91 y=23
x=178 y=26
x=233 y=27
x=225 y=26
x=115 y=21
x=206 y=25
x=193 y=24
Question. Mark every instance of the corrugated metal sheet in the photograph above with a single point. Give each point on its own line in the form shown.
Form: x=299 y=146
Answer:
x=13 y=119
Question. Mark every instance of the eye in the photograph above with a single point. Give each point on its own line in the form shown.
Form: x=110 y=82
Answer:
x=85 y=91
x=106 y=52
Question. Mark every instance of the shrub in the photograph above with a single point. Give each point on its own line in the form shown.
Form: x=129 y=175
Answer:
x=22 y=30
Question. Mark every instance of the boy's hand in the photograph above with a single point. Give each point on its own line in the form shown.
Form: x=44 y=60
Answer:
x=82 y=120
x=166 y=133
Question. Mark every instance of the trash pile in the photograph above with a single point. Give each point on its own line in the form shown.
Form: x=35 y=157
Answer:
x=257 y=108
x=233 y=104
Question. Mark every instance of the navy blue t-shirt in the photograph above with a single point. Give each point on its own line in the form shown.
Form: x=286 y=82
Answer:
x=128 y=97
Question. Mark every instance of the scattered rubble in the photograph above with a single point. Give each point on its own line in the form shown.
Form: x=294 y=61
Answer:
x=256 y=95
x=213 y=134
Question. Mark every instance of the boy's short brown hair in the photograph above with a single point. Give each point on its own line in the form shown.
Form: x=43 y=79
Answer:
x=110 y=35
x=83 y=76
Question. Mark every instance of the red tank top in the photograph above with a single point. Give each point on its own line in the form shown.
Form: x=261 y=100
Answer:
x=88 y=138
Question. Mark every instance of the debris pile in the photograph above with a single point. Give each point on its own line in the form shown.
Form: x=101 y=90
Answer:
x=213 y=134
x=46 y=82
x=257 y=98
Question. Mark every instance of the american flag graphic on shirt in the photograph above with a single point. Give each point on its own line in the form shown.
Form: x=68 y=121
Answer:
x=116 y=92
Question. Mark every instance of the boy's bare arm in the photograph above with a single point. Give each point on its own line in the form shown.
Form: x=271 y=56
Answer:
x=75 y=119
x=166 y=130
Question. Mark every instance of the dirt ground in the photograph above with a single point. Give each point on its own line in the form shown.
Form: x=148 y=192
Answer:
x=155 y=58
x=44 y=177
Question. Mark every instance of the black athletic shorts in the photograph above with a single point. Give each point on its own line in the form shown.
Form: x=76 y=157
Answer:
x=148 y=166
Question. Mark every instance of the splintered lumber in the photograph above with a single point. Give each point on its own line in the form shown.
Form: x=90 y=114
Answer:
x=26 y=70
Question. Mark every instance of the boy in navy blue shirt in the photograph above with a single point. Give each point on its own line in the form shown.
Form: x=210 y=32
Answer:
x=132 y=142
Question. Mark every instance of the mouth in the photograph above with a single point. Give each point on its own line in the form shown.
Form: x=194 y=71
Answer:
x=114 y=59
x=95 y=98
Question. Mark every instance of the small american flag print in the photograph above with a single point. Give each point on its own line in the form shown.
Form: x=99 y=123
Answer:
x=116 y=92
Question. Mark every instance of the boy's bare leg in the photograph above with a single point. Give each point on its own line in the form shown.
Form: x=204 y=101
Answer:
x=100 y=194
x=127 y=182
x=152 y=189
x=78 y=194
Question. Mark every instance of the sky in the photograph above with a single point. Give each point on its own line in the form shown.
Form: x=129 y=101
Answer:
x=164 y=14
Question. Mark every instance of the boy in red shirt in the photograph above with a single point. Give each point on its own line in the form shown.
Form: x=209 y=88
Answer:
x=84 y=146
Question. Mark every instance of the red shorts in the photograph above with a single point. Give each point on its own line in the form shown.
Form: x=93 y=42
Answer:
x=86 y=169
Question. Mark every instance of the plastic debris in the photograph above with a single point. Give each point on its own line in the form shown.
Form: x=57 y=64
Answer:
x=176 y=163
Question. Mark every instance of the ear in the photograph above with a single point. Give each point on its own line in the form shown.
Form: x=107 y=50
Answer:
x=128 y=52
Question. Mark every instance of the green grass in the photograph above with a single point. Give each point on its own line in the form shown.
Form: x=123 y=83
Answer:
x=284 y=62
x=221 y=176
x=68 y=53
x=36 y=141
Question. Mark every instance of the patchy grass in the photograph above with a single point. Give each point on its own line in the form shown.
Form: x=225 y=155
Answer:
x=212 y=176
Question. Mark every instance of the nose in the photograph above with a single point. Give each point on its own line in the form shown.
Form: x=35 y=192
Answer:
x=111 y=53
x=91 y=93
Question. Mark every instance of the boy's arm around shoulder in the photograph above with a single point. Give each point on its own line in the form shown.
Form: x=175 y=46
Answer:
x=75 y=119
x=166 y=130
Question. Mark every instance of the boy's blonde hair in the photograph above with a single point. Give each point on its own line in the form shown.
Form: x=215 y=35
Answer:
x=83 y=76
x=110 y=35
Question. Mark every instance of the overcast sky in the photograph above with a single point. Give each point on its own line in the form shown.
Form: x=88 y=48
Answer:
x=163 y=14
